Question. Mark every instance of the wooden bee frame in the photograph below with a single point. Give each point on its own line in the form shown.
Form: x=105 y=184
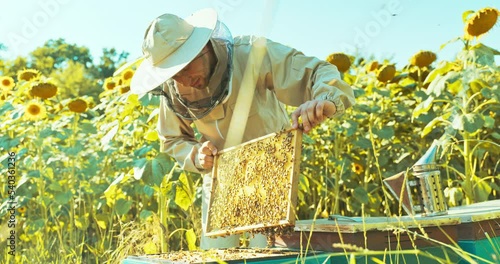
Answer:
x=254 y=185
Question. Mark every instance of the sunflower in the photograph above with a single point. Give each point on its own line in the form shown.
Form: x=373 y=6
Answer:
x=127 y=74
x=4 y=94
x=7 y=83
x=357 y=168
x=28 y=75
x=22 y=210
x=44 y=90
x=372 y=66
x=78 y=106
x=423 y=59
x=35 y=111
x=124 y=89
x=109 y=84
x=386 y=73
x=481 y=22
x=342 y=61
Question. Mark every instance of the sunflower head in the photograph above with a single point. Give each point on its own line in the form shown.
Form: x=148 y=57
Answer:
x=109 y=84
x=342 y=61
x=127 y=74
x=372 y=66
x=5 y=94
x=423 y=59
x=44 y=90
x=78 y=106
x=357 y=168
x=28 y=75
x=386 y=73
x=22 y=209
x=124 y=89
x=7 y=83
x=481 y=22
x=35 y=111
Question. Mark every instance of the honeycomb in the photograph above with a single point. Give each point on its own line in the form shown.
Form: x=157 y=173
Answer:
x=219 y=255
x=254 y=186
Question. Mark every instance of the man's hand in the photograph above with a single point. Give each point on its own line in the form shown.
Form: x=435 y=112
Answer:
x=312 y=113
x=206 y=154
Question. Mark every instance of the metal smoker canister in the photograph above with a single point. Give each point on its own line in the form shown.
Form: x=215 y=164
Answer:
x=431 y=191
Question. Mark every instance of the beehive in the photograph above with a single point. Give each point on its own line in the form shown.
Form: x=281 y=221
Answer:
x=254 y=185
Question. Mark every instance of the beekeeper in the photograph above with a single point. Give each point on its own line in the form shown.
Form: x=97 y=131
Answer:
x=231 y=90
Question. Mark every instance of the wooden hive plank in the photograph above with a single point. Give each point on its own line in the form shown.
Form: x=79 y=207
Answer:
x=254 y=185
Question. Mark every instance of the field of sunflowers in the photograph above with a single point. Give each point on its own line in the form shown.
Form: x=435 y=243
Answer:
x=84 y=181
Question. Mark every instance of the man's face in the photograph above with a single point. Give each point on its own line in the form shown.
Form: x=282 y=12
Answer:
x=197 y=73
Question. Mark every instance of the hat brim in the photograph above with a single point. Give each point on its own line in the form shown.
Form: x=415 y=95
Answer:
x=148 y=76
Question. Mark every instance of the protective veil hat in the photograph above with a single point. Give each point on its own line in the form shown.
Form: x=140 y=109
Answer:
x=170 y=43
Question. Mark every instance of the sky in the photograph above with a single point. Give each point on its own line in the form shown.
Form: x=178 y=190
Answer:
x=382 y=29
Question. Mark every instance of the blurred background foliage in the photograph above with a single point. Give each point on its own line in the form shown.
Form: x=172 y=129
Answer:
x=92 y=185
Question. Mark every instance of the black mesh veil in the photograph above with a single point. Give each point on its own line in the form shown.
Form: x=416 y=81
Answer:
x=218 y=88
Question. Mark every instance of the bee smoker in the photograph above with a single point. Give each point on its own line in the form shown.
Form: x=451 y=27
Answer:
x=423 y=193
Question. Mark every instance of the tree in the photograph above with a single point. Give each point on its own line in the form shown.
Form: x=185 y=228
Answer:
x=10 y=68
x=73 y=81
x=110 y=60
x=55 y=54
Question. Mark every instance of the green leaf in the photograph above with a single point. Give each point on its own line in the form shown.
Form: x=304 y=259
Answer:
x=386 y=132
x=34 y=174
x=472 y=122
x=351 y=127
x=145 y=214
x=122 y=206
x=307 y=139
x=47 y=132
x=63 y=197
x=82 y=221
x=456 y=87
x=140 y=167
x=437 y=86
x=482 y=189
x=485 y=55
x=458 y=122
x=158 y=171
x=423 y=107
x=74 y=150
x=148 y=190
x=102 y=221
x=191 y=239
x=109 y=136
x=489 y=122
x=34 y=226
x=7 y=143
x=442 y=68
x=183 y=193
x=88 y=128
x=368 y=108
x=430 y=126
x=6 y=106
x=361 y=195
x=363 y=143
x=147 y=173
x=55 y=186
x=143 y=150
x=159 y=166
